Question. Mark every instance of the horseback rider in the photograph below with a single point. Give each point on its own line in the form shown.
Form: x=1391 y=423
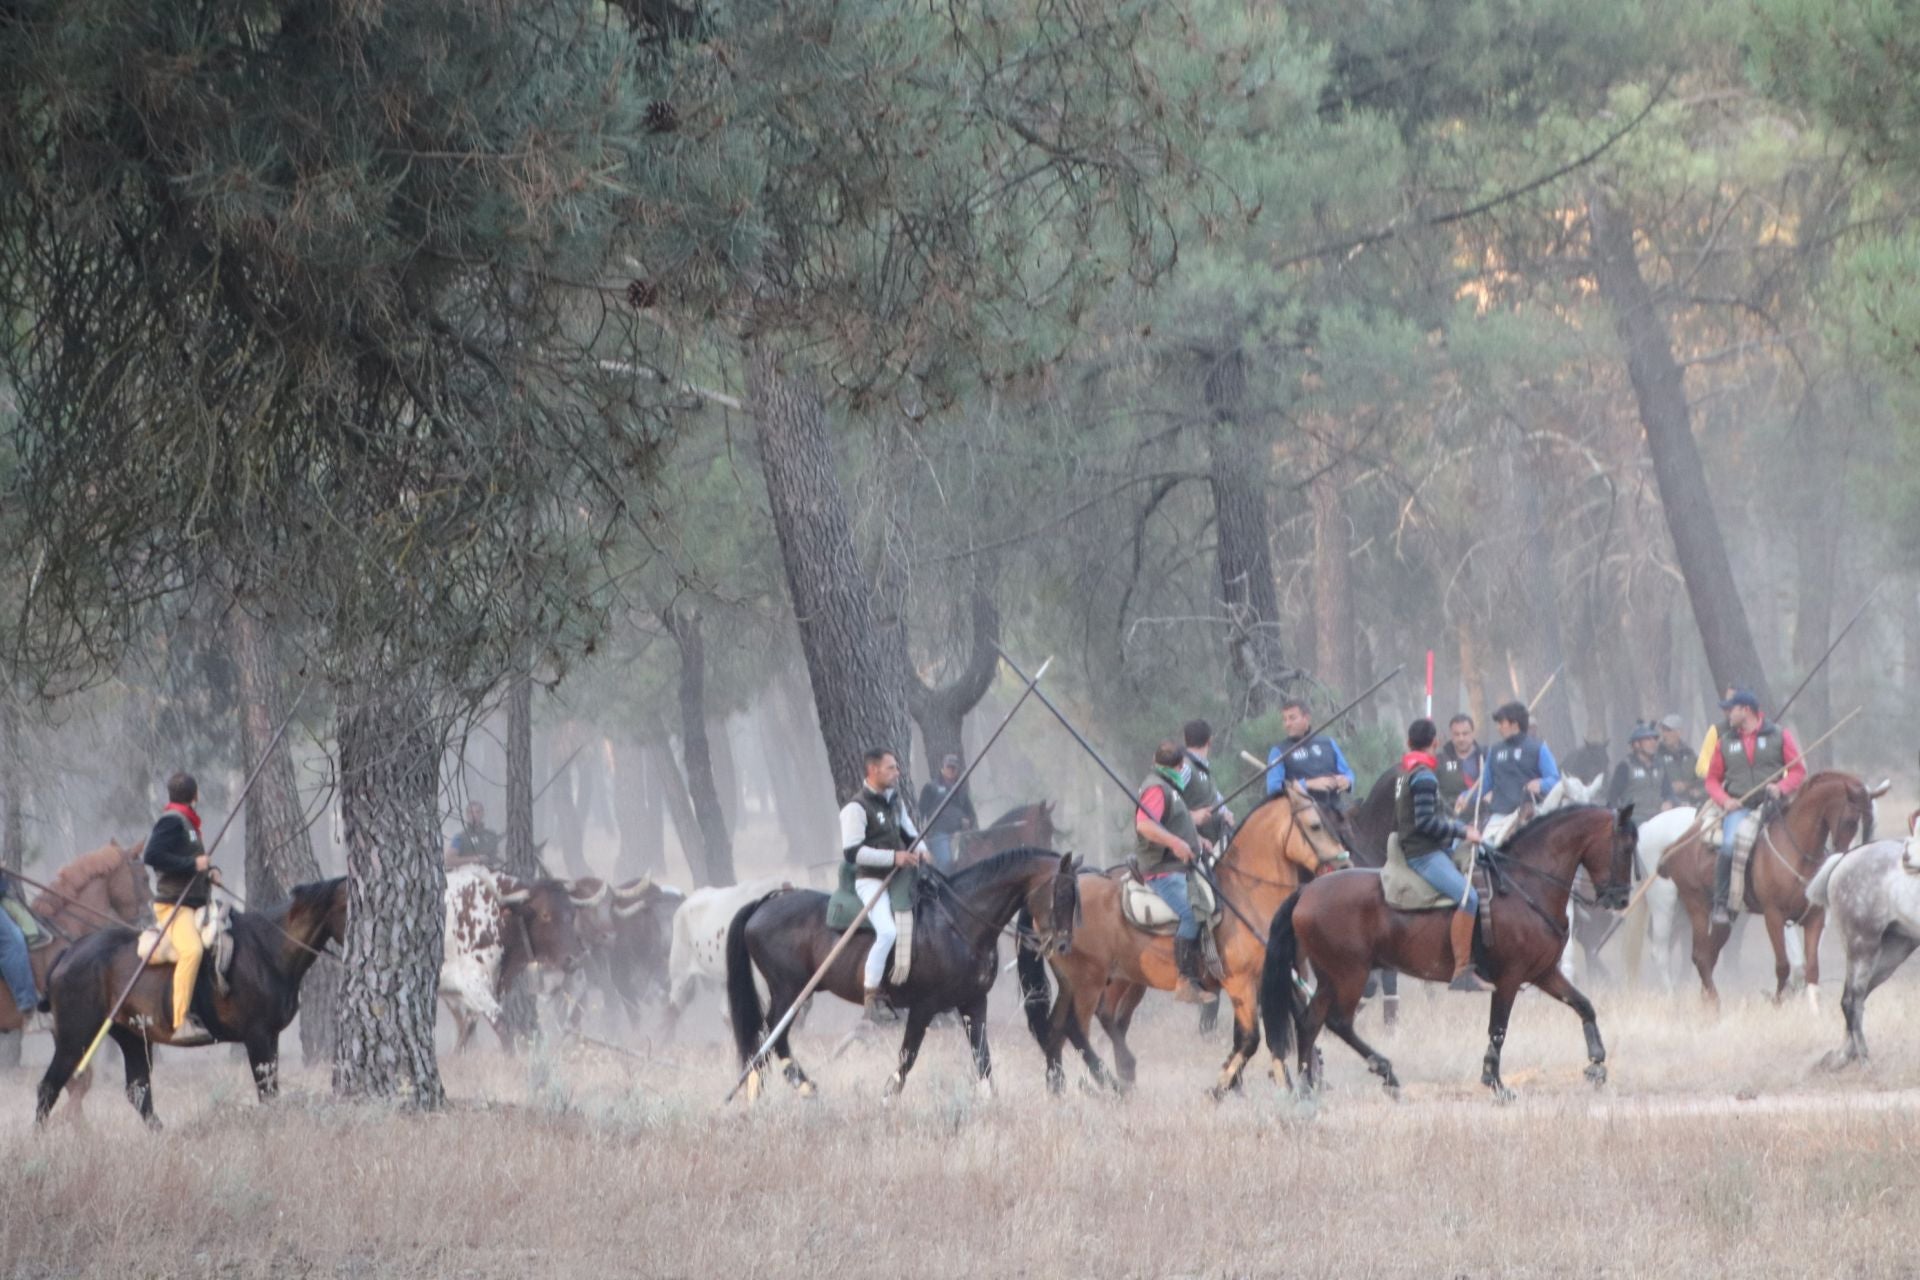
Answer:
x=16 y=961
x=1427 y=838
x=958 y=815
x=1463 y=761
x=1641 y=779
x=1311 y=759
x=1211 y=817
x=183 y=875
x=1677 y=760
x=877 y=835
x=474 y=843
x=1521 y=768
x=1755 y=757
x=1164 y=850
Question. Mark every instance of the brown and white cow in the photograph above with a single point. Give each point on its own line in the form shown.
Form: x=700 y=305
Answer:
x=498 y=928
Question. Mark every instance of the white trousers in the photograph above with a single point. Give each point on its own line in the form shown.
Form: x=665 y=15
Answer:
x=884 y=930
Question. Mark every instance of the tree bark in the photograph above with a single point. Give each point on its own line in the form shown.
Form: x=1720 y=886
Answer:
x=715 y=845
x=1660 y=392
x=13 y=785
x=941 y=711
x=1237 y=479
x=858 y=670
x=279 y=848
x=517 y=849
x=389 y=800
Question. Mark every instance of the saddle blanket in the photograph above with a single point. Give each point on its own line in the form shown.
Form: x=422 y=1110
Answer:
x=1745 y=836
x=213 y=923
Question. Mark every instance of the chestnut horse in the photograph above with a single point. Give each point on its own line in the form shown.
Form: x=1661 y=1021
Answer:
x=1341 y=924
x=1112 y=964
x=90 y=893
x=1827 y=814
x=1028 y=827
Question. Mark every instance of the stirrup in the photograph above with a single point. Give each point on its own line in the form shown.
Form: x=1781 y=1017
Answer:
x=191 y=1034
x=1720 y=915
x=879 y=1009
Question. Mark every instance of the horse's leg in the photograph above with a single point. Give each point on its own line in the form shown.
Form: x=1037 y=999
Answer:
x=1555 y=985
x=1706 y=948
x=973 y=1017
x=133 y=1051
x=1123 y=1060
x=1502 y=1009
x=263 y=1055
x=1660 y=917
x=1210 y=1015
x=1782 y=967
x=1069 y=1023
x=1389 y=996
x=1863 y=976
x=1810 y=930
x=1340 y=1022
x=777 y=1006
x=1308 y=1029
x=919 y=1017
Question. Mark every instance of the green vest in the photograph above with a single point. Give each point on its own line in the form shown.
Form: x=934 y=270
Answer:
x=1413 y=843
x=1768 y=764
x=1152 y=858
x=1678 y=766
x=1645 y=787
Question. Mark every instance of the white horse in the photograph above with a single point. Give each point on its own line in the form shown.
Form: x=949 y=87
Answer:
x=1872 y=896
x=699 y=951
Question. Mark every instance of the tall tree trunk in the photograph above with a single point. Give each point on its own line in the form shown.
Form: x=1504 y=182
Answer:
x=1237 y=478
x=715 y=845
x=1553 y=718
x=1816 y=540
x=517 y=849
x=389 y=800
x=1332 y=580
x=858 y=671
x=726 y=770
x=279 y=850
x=803 y=787
x=941 y=711
x=1661 y=393
x=679 y=805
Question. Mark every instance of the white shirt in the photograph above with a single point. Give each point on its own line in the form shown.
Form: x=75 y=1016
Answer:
x=853 y=827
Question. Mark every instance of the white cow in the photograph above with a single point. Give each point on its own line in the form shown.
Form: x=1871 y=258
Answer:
x=699 y=951
x=474 y=946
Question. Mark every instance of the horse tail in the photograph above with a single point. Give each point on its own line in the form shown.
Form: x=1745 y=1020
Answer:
x=1818 y=886
x=1035 y=997
x=743 y=997
x=1276 y=980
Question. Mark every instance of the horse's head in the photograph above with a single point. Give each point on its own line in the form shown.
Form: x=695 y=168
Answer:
x=1313 y=843
x=1615 y=889
x=1842 y=805
x=317 y=914
x=129 y=891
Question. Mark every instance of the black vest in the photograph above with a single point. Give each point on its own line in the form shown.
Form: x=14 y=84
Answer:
x=1413 y=844
x=884 y=829
x=1452 y=774
x=1644 y=788
x=1311 y=757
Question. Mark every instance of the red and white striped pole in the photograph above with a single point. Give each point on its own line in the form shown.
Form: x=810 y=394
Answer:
x=1429 y=684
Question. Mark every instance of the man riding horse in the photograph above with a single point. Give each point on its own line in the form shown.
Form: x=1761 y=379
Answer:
x=877 y=835
x=183 y=883
x=1427 y=839
x=1520 y=769
x=1211 y=817
x=1676 y=761
x=1641 y=779
x=1311 y=759
x=1754 y=758
x=1165 y=841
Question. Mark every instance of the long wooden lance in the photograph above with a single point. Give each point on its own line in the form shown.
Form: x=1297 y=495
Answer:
x=141 y=961
x=1781 y=714
x=793 y=1009
x=1322 y=727
x=1196 y=865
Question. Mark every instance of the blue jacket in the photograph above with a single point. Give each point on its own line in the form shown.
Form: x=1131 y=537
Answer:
x=1512 y=765
x=1298 y=759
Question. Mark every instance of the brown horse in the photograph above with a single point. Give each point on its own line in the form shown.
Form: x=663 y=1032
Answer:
x=90 y=893
x=272 y=951
x=1112 y=964
x=1343 y=926
x=1829 y=812
x=1028 y=827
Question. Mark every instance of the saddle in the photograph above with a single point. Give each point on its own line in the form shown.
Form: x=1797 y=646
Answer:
x=214 y=923
x=1405 y=890
x=844 y=904
x=1148 y=912
x=32 y=927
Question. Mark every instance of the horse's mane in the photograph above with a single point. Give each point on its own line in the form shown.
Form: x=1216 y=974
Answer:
x=998 y=862
x=1547 y=823
x=1016 y=815
x=312 y=894
x=83 y=871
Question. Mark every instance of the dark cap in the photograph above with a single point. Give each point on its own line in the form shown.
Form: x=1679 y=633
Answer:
x=1641 y=732
x=1740 y=698
x=950 y=760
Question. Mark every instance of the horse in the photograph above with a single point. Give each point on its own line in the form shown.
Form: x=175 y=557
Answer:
x=1667 y=929
x=1369 y=823
x=1112 y=964
x=1342 y=926
x=1028 y=826
x=1828 y=812
x=1874 y=895
x=87 y=894
x=272 y=951
x=784 y=936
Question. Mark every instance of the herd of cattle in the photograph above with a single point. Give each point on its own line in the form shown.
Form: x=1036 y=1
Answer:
x=632 y=941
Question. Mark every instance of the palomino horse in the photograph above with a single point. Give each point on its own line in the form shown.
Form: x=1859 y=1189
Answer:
x=955 y=955
x=1874 y=894
x=272 y=951
x=1827 y=813
x=89 y=893
x=1028 y=827
x=1280 y=843
x=1343 y=926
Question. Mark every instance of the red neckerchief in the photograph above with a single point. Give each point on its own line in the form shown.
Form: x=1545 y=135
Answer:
x=186 y=811
x=1418 y=760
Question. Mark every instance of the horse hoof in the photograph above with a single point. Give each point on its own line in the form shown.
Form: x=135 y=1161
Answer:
x=1597 y=1074
x=806 y=1089
x=1503 y=1095
x=1838 y=1060
x=1393 y=1092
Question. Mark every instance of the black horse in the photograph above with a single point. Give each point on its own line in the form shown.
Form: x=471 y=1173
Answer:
x=272 y=951
x=954 y=963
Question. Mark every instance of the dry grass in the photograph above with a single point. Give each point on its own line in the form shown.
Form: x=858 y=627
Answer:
x=585 y=1162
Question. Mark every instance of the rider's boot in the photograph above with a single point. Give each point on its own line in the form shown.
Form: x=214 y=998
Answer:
x=1460 y=934
x=879 y=1011
x=1186 y=958
x=1722 y=888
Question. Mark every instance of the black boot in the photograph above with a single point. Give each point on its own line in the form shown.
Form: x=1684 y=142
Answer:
x=1722 y=889
x=1186 y=958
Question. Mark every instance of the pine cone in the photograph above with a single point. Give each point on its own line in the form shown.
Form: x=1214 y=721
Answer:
x=661 y=117
x=642 y=294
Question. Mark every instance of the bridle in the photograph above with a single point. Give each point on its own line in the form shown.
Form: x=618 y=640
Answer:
x=1500 y=865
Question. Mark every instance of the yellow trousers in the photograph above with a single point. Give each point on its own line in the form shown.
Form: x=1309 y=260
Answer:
x=183 y=931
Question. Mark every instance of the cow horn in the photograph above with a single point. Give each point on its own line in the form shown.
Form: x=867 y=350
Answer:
x=633 y=889
x=627 y=911
x=517 y=898
x=1880 y=788
x=593 y=899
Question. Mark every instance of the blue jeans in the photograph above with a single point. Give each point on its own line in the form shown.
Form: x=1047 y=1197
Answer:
x=1172 y=889
x=1437 y=869
x=16 y=967
x=1729 y=827
x=940 y=845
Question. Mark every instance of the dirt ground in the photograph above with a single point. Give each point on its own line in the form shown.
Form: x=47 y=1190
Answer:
x=1718 y=1147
